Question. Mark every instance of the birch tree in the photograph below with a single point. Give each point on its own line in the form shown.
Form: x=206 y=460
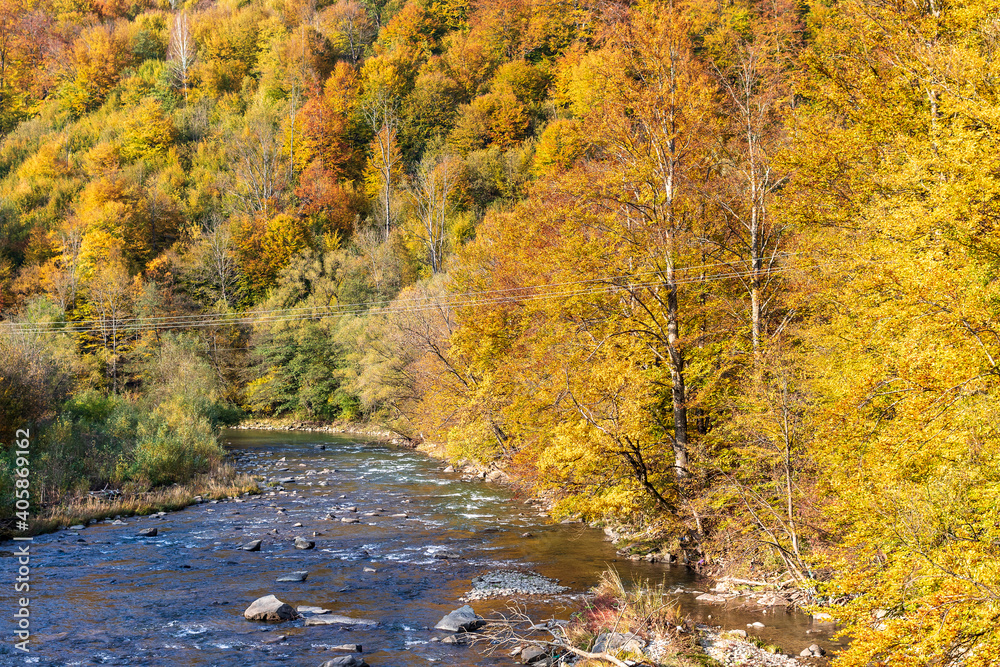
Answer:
x=431 y=189
x=385 y=159
x=181 y=53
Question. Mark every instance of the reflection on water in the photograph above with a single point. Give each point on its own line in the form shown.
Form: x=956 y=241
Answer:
x=107 y=596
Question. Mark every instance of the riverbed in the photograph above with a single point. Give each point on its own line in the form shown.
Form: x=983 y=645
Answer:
x=397 y=542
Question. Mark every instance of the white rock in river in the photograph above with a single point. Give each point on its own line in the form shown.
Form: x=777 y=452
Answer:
x=346 y=648
x=294 y=576
x=308 y=609
x=269 y=608
x=333 y=619
x=303 y=543
x=462 y=619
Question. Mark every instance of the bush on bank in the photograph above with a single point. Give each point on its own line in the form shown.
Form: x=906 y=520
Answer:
x=84 y=437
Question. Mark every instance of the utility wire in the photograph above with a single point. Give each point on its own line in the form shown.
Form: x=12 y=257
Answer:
x=362 y=305
x=410 y=305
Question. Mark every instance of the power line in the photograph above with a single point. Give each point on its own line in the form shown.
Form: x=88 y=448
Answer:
x=355 y=306
x=409 y=305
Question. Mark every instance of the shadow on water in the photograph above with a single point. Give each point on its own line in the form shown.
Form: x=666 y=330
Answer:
x=106 y=596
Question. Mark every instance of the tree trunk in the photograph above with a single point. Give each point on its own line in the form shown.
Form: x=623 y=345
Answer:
x=678 y=392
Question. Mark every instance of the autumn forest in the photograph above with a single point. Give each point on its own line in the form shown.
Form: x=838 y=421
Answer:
x=723 y=275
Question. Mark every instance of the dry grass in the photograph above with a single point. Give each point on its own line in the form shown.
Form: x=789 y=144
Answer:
x=222 y=482
x=642 y=608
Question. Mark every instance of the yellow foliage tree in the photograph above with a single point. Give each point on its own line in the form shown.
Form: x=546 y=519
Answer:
x=148 y=132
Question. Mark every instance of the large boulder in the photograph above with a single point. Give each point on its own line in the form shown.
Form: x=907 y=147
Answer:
x=303 y=543
x=463 y=619
x=269 y=608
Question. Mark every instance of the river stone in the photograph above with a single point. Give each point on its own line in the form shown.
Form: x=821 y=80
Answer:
x=814 y=651
x=531 y=654
x=450 y=469
x=446 y=555
x=269 y=608
x=710 y=597
x=345 y=661
x=463 y=619
x=294 y=576
x=333 y=619
x=346 y=648
x=303 y=543
x=457 y=639
x=252 y=546
x=350 y=519
x=78 y=526
x=307 y=609
x=619 y=641
x=148 y=532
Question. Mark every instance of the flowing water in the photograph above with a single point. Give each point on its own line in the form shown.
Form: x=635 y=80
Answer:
x=103 y=595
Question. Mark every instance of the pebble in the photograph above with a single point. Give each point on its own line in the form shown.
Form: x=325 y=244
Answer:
x=738 y=652
x=508 y=583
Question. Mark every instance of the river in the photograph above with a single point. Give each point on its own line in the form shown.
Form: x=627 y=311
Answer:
x=104 y=595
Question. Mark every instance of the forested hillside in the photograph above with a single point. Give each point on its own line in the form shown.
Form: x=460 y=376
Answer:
x=722 y=273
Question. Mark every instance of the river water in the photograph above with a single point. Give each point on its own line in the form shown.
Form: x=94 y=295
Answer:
x=103 y=595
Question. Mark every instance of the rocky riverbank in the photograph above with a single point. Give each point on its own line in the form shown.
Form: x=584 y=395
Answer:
x=369 y=431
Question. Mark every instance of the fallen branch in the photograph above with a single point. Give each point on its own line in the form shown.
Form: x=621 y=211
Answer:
x=504 y=632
